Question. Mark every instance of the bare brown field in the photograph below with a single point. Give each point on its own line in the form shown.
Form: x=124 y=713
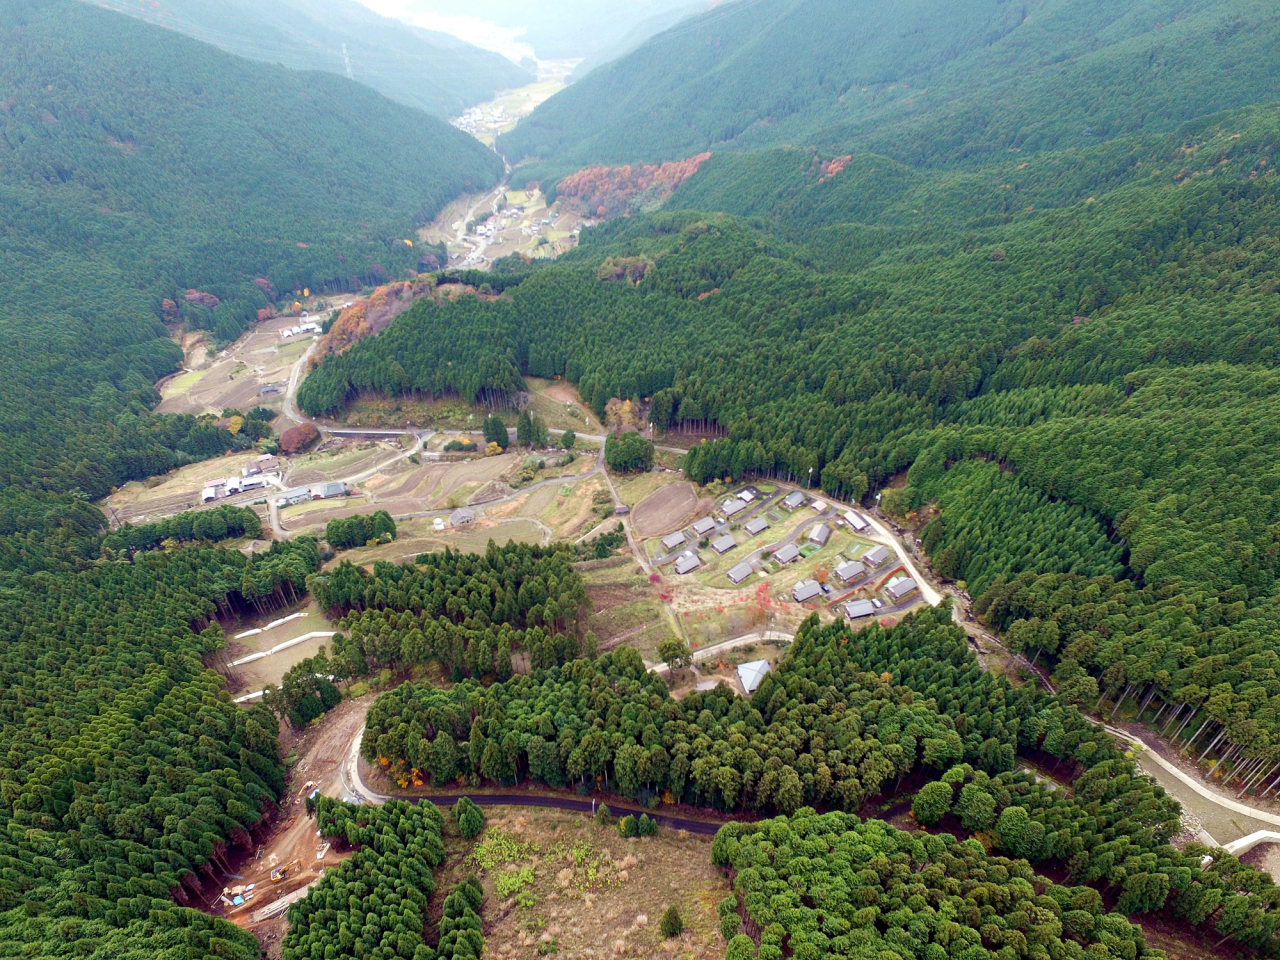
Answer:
x=666 y=509
x=557 y=882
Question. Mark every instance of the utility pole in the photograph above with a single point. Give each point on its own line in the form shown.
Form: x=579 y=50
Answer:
x=347 y=61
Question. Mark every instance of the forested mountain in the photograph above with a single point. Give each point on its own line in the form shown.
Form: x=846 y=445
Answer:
x=137 y=165
x=432 y=71
x=920 y=83
x=1099 y=321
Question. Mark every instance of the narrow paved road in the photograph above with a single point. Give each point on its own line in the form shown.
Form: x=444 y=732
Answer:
x=354 y=785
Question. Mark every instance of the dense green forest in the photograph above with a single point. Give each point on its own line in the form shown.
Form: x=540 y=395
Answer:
x=129 y=776
x=1100 y=322
x=832 y=886
x=432 y=71
x=905 y=78
x=203 y=173
x=844 y=719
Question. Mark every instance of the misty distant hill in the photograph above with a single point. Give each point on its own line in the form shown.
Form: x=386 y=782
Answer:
x=433 y=71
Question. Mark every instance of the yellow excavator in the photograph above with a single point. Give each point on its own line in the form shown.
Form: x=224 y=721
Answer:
x=282 y=873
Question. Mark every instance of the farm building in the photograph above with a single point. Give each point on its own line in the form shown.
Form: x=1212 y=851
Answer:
x=438 y=524
x=688 y=562
x=323 y=491
x=850 y=570
x=855 y=521
x=820 y=534
x=733 y=507
x=786 y=553
x=208 y=494
x=674 y=540
x=462 y=517
x=876 y=556
x=704 y=526
x=794 y=501
x=859 y=608
x=253 y=483
x=724 y=544
x=267 y=463
x=758 y=525
x=740 y=572
x=296 y=495
x=251 y=469
x=899 y=587
x=746 y=495
x=752 y=675
x=806 y=590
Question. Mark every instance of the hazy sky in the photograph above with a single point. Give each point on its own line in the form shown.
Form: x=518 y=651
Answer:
x=550 y=29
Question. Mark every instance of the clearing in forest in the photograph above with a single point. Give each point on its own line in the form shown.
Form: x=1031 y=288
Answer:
x=559 y=883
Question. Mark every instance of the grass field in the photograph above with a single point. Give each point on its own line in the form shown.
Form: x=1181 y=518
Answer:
x=557 y=402
x=636 y=489
x=181 y=383
x=308 y=509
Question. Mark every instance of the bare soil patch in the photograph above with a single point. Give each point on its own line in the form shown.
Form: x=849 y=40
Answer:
x=292 y=834
x=664 y=510
x=587 y=892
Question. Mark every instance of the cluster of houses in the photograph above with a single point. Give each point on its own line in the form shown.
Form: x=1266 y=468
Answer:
x=252 y=477
x=849 y=573
x=308 y=326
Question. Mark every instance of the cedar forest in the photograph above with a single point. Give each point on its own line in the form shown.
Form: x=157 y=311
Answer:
x=909 y=272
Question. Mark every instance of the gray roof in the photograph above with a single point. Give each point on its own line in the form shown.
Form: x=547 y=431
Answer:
x=856 y=521
x=740 y=572
x=859 y=608
x=724 y=544
x=786 y=553
x=705 y=525
x=462 y=515
x=758 y=525
x=850 y=570
x=876 y=556
x=899 y=587
x=820 y=534
x=674 y=540
x=794 y=500
x=752 y=674
x=806 y=590
x=688 y=562
x=296 y=492
x=734 y=506
x=333 y=489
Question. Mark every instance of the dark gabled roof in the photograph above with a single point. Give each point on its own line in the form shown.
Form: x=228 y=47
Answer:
x=859 y=608
x=724 y=544
x=786 y=553
x=877 y=555
x=673 y=540
x=850 y=570
x=806 y=590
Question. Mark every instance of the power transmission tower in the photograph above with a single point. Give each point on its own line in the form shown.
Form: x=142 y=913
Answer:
x=347 y=61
